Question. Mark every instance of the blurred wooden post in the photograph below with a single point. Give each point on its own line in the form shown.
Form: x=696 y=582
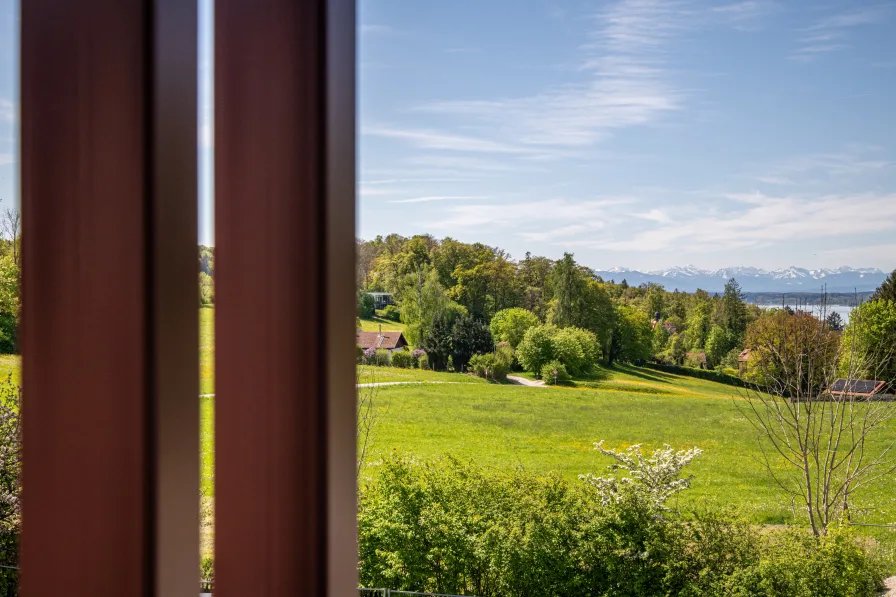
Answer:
x=285 y=404
x=109 y=320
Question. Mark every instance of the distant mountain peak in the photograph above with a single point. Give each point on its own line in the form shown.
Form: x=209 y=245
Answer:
x=754 y=279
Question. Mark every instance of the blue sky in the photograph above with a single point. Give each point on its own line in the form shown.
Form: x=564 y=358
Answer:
x=644 y=133
x=637 y=133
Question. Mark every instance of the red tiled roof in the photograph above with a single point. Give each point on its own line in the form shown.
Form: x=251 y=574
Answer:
x=387 y=340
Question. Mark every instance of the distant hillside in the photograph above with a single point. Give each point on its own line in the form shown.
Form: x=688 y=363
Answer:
x=755 y=280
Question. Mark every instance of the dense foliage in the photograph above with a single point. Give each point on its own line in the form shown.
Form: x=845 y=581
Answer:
x=10 y=469
x=432 y=279
x=451 y=527
x=869 y=343
x=887 y=290
x=9 y=304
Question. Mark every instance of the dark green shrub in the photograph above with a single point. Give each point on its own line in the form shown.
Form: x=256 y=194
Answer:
x=493 y=365
x=402 y=359
x=554 y=372
x=423 y=361
x=382 y=358
x=437 y=343
x=469 y=337
x=536 y=348
x=449 y=527
x=360 y=353
x=392 y=313
x=10 y=470
x=366 y=306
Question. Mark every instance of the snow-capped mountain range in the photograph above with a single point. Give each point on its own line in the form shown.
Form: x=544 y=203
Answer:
x=753 y=279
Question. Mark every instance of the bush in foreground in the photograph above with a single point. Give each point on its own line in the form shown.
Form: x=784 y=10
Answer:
x=554 y=373
x=402 y=359
x=446 y=526
x=492 y=365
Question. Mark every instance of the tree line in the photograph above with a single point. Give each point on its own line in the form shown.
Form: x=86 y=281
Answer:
x=456 y=299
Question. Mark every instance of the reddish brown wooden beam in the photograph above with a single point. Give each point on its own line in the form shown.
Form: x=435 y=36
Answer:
x=285 y=434
x=109 y=340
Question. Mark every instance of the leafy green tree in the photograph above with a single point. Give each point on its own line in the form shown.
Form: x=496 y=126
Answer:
x=597 y=313
x=678 y=350
x=699 y=325
x=9 y=304
x=569 y=286
x=366 y=306
x=469 y=337
x=437 y=342
x=207 y=260
x=887 y=290
x=207 y=289
x=631 y=338
x=656 y=301
x=510 y=325
x=868 y=347
x=422 y=301
x=734 y=310
x=659 y=338
x=834 y=321
x=719 y=343
x=576 y=349
x=537 y=347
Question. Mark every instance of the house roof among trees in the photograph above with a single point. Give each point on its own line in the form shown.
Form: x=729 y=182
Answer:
x=857 y=387
x=387 y=340
x=744 y=355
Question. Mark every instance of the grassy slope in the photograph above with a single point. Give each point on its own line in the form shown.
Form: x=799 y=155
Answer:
x=10 y=365
x=553 y=429
x=367 y=374
x=373 y=325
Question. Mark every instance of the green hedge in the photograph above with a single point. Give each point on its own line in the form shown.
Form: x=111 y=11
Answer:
x=449 y=527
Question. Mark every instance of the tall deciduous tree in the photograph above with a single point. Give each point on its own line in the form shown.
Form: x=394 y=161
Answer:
x=869 y=342
x=510 y=325
x=9 y=304
x=422 y=301
x=887 y=290
x=630 y=342
x=469 y=337
x=734 y=310
x=831 y=444
x=569 y=285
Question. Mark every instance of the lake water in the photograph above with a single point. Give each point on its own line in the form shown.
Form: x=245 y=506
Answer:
x=843 y=310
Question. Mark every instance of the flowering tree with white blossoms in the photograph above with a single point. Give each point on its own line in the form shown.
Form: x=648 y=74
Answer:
x=655 y=478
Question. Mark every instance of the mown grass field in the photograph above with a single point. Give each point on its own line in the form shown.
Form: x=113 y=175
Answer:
x=553 y=430
x=373 y=325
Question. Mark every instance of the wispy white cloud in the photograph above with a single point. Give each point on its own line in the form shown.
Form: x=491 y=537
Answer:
x=429 y=139
x=625 y=83
x=528 y=217
x=461 y=50
x=746 y=14
x=7 y=158
x=433 y=198
x=757 y=220
x=853 y=161
x=563 y=232
x=8 y=111
x=829 y=34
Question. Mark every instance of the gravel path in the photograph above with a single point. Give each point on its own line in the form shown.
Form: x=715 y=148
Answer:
x=522 y=381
